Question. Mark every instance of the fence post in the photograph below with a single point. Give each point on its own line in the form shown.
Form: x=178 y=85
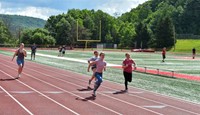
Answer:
x=172 y=73
x=145 y=69
x=158 y=71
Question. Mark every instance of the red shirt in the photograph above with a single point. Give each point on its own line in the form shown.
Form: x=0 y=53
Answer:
x=163 y=52
x=130 y=64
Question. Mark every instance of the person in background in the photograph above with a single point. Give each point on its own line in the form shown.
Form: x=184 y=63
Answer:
x=33 y=51
x=63 y=50
x=127 y=65
x=60 y=50
x=164 y=54
x=93 y=67
x=193 y=53
x=20 y=53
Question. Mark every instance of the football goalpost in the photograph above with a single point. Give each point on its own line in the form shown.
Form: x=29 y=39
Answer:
x=86 y=41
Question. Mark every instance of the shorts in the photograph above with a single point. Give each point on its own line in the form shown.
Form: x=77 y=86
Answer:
x=20 y=62
x=163 y=56
x=127 y=76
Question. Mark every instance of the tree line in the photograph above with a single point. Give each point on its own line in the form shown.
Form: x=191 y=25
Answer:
x=153 y=24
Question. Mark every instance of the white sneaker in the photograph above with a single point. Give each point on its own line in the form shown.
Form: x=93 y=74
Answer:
x=19 y=75
x=94 y=94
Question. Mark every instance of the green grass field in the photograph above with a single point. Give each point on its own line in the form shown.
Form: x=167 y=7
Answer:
x=186 y=45
x=179 y=88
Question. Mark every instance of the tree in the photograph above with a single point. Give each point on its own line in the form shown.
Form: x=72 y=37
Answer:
x=165 y=36
x=142 y=36
x=5 y=35
x=39 y=36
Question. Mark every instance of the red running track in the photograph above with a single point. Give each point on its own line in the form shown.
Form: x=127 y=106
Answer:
x=47 y=90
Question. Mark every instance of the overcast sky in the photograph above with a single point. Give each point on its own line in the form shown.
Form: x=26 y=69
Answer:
x=45 y=8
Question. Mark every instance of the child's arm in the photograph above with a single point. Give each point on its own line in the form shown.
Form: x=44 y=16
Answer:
x=88 y=67
x=14 y=55
x=24 y=52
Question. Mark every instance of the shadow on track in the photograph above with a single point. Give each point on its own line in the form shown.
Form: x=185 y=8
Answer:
x=87 y=98
x=8 y=79
x=120 y=92
x=85 y=89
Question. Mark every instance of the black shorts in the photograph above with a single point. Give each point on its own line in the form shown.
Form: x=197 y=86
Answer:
x=163 y=56
x=127 y=76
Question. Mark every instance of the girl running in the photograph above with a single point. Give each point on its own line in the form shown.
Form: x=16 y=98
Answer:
x=20 y=53
x=127 y=70
x=100 y=66
x=92 y=59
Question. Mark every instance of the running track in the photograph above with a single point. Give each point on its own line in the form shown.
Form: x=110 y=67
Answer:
x=48 y=90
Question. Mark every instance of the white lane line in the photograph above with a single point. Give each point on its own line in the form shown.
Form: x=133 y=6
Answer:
x=155 y=106
x=142 y=97
x=64 y=91
x=136 y=95
x=42 y=94
x=22 y=92
x=29 y=112
x=99 y=93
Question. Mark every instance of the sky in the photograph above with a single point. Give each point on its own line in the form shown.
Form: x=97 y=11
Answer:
x=45 y=8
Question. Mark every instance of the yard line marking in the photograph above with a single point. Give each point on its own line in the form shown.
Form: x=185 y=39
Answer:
x=42 y=94
x=137 y=96
x=29 y=112
x=65 y=91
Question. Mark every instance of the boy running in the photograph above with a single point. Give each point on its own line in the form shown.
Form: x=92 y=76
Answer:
x=20 y=53
x=92 y=59
x=100 y=66
x=127 y=69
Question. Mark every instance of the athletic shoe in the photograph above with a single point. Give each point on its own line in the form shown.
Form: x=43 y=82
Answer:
x=94 y=94
x=19 y=75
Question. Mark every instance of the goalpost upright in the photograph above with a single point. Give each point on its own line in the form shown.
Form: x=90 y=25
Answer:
x=86 y=41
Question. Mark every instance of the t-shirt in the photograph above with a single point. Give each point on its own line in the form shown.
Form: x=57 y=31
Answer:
x=100 y=65
x=93 y=59
x=129 y=63
x=20 y=55
x=33 y=48
x=163 y=52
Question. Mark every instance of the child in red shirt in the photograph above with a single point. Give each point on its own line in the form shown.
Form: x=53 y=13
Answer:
x=127 y=69
x=164 y=54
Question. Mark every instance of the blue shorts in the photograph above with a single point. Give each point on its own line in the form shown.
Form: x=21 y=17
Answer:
x=19 y=62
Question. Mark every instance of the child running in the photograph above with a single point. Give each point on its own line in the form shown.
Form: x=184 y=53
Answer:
x=92 y=59
x=20 y=53
x=100 y=66
x=127 y=70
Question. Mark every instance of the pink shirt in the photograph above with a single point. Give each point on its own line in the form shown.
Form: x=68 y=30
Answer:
x=130 y=64
x=100 y=64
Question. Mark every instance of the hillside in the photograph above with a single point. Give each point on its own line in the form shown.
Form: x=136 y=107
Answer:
x=16 y=22
x=184 y=13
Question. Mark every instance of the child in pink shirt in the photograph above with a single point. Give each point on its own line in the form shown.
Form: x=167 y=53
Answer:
x=127 y=70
